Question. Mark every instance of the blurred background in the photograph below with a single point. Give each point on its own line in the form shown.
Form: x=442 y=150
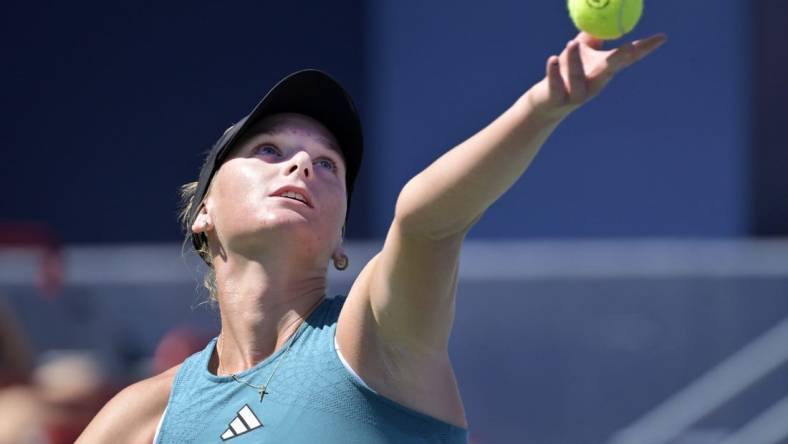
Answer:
x=638 y=271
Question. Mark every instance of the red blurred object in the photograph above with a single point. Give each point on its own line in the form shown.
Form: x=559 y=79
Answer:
x=67 y=420
x=10 y=379
x=177 y=344
x=71 y=386
x=39 y=235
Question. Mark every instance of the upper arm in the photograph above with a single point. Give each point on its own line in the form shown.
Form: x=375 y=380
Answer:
x=132 y=415
x=411 y=289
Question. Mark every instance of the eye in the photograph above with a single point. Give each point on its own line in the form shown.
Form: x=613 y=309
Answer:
x=266 y=149
x=328 y=163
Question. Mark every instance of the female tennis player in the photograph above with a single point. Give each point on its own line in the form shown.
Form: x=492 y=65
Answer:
x=291 y=365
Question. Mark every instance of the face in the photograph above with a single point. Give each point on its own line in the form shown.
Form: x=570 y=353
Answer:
x=281 y=150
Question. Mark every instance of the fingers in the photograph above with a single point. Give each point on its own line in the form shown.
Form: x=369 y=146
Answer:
x=622 y=57
x=554 y=81
x=567 y=81
x=590 y=40
x=644 y=47
x=631 y=52
x=576 y=73
x=566 y=75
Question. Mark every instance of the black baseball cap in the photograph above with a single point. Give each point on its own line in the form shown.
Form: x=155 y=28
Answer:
x=311 y=92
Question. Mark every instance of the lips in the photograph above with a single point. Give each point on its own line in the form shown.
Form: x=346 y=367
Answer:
x=289 y=188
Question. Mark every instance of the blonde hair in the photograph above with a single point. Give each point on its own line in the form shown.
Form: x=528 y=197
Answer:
x=186 y=193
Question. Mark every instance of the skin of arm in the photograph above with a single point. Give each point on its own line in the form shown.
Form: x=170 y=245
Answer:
x=132 y=415
x=412 y=282
x=453 y=191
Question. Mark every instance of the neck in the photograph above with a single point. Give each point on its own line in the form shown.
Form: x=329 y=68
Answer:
x=262 y=303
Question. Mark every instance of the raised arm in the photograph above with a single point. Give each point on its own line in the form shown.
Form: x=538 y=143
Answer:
x=410 y=285
x=458 y=187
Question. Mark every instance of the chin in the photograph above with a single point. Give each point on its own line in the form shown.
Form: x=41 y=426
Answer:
x=282 y=219
x=274 y=224
x=288 y=224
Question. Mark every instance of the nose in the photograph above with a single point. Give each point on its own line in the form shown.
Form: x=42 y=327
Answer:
x=300 y=164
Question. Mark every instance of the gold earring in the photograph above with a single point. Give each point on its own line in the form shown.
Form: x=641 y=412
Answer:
x=342 y=263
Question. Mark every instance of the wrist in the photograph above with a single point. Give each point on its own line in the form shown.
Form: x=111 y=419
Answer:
x=532 y=110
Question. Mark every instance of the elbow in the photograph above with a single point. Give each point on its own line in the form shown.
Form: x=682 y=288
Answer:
x=412 y=213
x=418 y=214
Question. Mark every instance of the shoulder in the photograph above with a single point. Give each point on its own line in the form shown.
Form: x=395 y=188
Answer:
x=132 y=415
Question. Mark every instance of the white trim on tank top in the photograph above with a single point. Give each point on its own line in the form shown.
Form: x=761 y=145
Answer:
x=158 y=427
x=355 y=375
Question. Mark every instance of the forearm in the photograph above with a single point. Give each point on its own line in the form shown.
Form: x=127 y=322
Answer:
x=454 y=191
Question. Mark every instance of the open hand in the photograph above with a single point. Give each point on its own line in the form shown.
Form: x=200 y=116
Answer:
x=582 y=71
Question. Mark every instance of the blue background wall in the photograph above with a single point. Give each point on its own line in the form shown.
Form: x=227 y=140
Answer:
x=109 y=107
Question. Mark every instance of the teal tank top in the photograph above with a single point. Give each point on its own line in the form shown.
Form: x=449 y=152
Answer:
x=313 y=398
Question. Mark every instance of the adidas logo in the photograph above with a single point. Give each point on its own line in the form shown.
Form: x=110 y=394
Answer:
x=245 y=420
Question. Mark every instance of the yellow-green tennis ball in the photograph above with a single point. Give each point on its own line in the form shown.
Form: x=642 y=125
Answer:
x=605 y=19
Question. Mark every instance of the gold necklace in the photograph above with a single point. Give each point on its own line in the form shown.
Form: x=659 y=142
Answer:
x=261 y=389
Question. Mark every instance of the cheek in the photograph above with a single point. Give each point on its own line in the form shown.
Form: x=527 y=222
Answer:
x=335 y=203
x=240 y=195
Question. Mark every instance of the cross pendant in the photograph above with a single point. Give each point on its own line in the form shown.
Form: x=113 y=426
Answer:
x=262 y=392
